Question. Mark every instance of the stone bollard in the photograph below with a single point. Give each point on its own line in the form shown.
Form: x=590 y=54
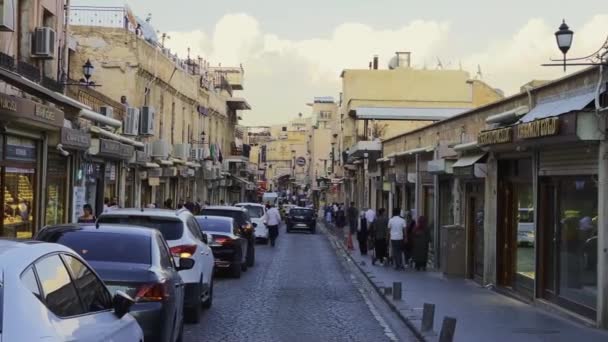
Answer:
x=448 y=329
x=428 y=317
x=396 y=290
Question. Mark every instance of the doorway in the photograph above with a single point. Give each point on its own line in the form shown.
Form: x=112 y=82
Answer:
x=475 y=230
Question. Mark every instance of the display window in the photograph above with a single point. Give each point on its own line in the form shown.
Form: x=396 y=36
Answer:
x=110 y=181
x=56 y=187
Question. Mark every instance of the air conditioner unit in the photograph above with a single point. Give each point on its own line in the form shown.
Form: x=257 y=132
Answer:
x=7 y=15
x=181 y=151
x=196 y=153
x=147 y=121
x=160 y=149
x=107 y=111
x=130 y=125
x=43 y=43
x=148 y=149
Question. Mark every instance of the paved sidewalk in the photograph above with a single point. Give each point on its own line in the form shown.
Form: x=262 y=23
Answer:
x=482 y=314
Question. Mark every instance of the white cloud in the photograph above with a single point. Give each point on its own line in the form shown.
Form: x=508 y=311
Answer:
x=281 y=75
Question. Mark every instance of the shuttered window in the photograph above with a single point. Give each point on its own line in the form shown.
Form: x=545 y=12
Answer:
x=569 y=160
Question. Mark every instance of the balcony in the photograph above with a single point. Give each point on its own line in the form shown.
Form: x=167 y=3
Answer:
x=233 y=75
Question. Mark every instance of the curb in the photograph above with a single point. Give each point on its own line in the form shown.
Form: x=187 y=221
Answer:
x=405 y=319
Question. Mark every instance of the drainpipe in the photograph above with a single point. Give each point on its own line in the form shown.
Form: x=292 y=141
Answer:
x=65 y=52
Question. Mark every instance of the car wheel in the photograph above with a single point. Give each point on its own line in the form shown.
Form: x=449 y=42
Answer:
x=209 y=301
x=193 y=314
x=235 y=270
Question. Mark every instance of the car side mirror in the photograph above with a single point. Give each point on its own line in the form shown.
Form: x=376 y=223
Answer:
x=254 y=225
x=122 y=303
x=185 y=264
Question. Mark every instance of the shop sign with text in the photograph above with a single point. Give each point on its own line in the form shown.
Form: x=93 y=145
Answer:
x=538 y=128
x=495 y=136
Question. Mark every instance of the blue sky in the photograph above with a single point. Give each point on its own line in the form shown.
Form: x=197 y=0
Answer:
x=304 y=44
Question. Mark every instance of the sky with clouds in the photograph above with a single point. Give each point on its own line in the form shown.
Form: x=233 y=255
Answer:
x=295 y=50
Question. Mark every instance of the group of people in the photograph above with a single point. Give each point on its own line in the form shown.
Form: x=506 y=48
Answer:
x=335 y=213
x=400 y=240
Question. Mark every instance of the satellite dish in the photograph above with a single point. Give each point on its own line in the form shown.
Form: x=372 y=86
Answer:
x=393 y=63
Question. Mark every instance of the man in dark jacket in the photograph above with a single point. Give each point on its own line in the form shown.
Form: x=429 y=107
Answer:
x=352 y=217
x=379 y=235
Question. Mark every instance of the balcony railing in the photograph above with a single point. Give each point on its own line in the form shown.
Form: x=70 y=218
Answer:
x=52 y=84
x=98 y=16
x=7 y=62
x=28 y=71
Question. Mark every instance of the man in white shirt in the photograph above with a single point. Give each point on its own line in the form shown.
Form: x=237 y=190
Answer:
x=272 y=221
x=397 y=225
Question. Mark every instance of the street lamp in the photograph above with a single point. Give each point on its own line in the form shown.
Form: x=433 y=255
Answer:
x=87 y=71
x=563 y=37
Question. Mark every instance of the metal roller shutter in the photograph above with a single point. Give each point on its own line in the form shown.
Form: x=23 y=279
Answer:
x=569 y=160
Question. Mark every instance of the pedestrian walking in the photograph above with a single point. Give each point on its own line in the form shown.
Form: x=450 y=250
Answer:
x=198 y=206
x=352 y=217
x=362 y=234
x=168 y=203
x=87 y=216
x=397 y=232
x=421 y=238
x=409 y=242
x=272 y=220
x=379 y=235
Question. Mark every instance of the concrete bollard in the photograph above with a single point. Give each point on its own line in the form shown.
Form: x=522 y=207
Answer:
x=397 y=290
x=428 y=317
x=448 y=328
x=388 y=291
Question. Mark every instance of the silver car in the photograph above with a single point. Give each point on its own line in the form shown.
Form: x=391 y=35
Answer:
x=48 y=292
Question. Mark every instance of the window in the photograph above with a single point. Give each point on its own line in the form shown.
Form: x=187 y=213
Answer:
x=254 y=210
x=29 y=280
x=214 y=225
x=109 y=247
x=59 y=293
x=194 y=228
x=172 y=229
x=166 y=260
x=56 y=189
x=92 y=291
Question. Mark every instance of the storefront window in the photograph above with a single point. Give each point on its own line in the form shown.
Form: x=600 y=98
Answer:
x=130 y=188
x=525 y=230
x=446 y=203
x=92 y=174
x=111 y=175
x=577 y=203
x=429 y=208
x=19 y=185
x=56 y=189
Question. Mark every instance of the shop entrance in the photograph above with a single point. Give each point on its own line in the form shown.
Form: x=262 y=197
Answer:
x=516 y=233
x=475 y=230
x=568 y=242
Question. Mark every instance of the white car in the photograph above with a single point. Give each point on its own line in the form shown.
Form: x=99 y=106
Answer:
x=257 y=213
x=49 y=293
x=185 y=240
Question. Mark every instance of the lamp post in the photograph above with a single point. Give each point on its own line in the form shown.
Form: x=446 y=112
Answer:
x=564 y=37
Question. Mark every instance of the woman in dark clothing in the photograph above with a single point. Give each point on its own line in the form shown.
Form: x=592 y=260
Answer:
x=379 y=235
x=362 y=236
x=420 y=237
x=409 y=241
x=87 y=216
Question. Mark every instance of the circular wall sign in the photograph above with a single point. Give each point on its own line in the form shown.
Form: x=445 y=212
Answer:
x=301 y=161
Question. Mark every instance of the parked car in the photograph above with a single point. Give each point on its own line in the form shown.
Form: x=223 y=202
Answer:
x=49 y=293
x=185 y=240
x=257 y=213
x=284 y=210
x=228 y=245
x=525 y=227
x=301 y=218
x=243 y=221
x=138 y=262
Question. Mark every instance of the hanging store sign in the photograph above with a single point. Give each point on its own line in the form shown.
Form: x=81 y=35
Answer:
x=141 y=157
x=301 y=161
x=109 y=148
x=538 y=128
x=169 y=172
x=495 y=136
x=75 y=139
x=156 y=172
x=126 y=151
x=22 y=109
x=478 y=170
x=153 y=181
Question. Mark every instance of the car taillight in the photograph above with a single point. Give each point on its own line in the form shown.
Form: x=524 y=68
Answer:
x=152 y=293
x=223 y=240
x=183 y=251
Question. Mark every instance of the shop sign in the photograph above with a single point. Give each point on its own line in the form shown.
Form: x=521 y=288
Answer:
x=464 y=172
x=183 y=171
x=156 y=172
x=301 y=161
x=386 y=186
x=18 y=108
x=75 y=139
x=126 y=151
x=538 y=128
x=169 y=172
x=191 y=172
x=109 y=148
x=153 y=181
x=495 y=136
x=143 y=175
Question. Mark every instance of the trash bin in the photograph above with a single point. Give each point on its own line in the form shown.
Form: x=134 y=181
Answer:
x=453 y=250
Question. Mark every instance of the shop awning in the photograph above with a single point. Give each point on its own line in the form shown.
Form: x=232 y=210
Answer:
x=466 y=146
x=164 y=162
x=468 y=160
x=359 y=149
x=406 y=113
x=151 y=165
x=242 y=180
x=383 y=160
x=178 y=161
x=40 y=91
x=561 y=106
x=415 y=151
x=238 y=103
x=114 y=136
x=193 y=165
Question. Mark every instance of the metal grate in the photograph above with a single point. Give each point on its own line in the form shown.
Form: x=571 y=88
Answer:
x=28 y=71
x=52 y=84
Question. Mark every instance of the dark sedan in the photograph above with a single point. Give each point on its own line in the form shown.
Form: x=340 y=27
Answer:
x=229 y=247
x=136 y=261
x=301 y=218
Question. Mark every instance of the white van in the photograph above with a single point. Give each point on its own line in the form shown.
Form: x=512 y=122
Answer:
x=270 y=197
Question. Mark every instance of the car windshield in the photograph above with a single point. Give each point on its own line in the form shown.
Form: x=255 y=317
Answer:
x=526 y=215
x=214 y=225
x=111 y=247
x=172 y=229
x=254 y=211
x=300 y=212
x=235 y=214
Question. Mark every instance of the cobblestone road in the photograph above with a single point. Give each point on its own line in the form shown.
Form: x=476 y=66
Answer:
x=297 y=291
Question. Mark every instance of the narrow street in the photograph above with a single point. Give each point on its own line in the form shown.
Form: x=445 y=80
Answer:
x=297 y=291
